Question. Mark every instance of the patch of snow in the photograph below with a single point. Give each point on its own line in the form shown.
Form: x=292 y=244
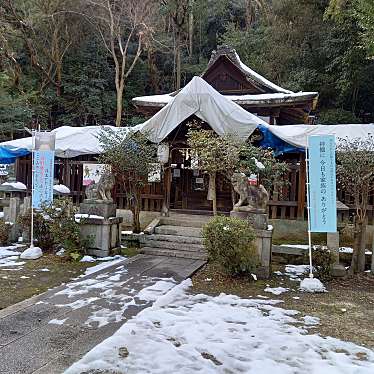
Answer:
x=44 y=270
x=7 y=252
x=254 y=276
x=151 y=293
x=79 y=216
x=270 y=228
x=296 y=270
x=103 y=265
x=309 y=320
x=61 y=252
x=1 y=214
x=31 y=253
x=80 y=303
x=24 y=277
x=57 y=321
x=185 y=333
x=349 y=250
x=87 y=259
x=276 y=290
x=16 y=185
x=126 y=232
x=312 y=285
x=61 y=188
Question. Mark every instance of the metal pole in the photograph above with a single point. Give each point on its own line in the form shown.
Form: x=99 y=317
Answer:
x=32 y=190
x=308 y=210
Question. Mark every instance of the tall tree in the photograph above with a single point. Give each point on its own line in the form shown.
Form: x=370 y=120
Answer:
x=124 y=27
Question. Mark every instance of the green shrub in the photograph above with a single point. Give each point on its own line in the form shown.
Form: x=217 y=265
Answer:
x=42 y=232
x=55 y=227
x=4 y=232
x=323 y=260
x=231 y=242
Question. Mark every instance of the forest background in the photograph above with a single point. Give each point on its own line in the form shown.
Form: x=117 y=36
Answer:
x=80 y=62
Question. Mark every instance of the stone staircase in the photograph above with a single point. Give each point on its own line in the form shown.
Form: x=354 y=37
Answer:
x=176 y=236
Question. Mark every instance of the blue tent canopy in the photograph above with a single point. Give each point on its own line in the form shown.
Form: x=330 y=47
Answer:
x=9 y=155
x=278 y=145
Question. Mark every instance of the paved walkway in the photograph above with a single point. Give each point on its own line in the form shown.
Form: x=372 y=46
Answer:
x=49 y=332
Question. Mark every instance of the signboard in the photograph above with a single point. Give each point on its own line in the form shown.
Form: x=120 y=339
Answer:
x=92 y=173
x=43 y=168
x=322 y=183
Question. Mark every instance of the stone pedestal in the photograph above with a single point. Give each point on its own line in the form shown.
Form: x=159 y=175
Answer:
x=98 y=208
x=103 y=235
x=337 y=270
x=259 y=220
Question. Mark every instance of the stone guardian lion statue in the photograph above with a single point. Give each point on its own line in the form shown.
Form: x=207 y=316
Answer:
x=102 y=190
x=250 y=197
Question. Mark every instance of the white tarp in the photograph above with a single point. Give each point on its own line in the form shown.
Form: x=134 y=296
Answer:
x=200 y=99
x=297 y=134
x=70 y=141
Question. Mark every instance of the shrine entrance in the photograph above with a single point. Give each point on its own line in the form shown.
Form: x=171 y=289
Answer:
x=189 y=186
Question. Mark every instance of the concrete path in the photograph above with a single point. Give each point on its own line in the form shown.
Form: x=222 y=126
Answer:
x=49 y=332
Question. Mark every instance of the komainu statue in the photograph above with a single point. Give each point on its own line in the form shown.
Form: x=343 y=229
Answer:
x=102 y=190
x=251 y=198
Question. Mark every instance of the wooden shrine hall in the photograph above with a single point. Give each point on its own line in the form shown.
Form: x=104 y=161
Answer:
x=231 y=77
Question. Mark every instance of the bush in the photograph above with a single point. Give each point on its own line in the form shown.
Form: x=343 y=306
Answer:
x=323 y=259
x=230 y=242
x=42 y=232
x=4 y=232
x=55 y=227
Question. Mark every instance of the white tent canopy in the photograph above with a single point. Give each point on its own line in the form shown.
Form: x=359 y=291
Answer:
x=70 y=141
x=297 y=135
x=200 y=99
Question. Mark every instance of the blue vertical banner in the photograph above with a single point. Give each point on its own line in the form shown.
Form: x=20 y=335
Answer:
x=43 y=167
x=322 y=183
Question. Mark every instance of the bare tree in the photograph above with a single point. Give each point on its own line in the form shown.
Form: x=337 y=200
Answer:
x=124 y=27
x=179 y=11
x=355 y=174
x=47 y=34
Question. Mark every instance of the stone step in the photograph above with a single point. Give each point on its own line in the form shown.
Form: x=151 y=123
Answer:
x=187 y=221
x=183 y=240
x=194 y=232
x=173 y=245
x=174 y=253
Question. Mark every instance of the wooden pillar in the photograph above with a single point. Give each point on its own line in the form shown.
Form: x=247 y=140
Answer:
x=167 y=188
x=302 y=188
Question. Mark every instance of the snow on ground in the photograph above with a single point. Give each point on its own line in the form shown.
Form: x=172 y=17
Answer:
x=9 y=258
x=185 y=333
x=276 y=290
x=109 y=261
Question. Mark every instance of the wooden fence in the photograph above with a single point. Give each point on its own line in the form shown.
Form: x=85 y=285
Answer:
x=286 y=203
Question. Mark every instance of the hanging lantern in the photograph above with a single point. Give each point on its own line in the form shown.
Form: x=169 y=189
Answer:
x=163 y=153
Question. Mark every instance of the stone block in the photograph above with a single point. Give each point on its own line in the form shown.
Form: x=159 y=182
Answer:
x=338 y=271
x=103 y=235
x=98 y=208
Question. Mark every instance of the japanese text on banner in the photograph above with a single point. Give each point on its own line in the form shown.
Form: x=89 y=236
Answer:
x=322 y=183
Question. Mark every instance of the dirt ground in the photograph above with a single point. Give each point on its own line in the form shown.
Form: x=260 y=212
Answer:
x=30 y=280
x=346 y=311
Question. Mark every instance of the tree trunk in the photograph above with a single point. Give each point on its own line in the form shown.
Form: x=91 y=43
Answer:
x=190 y=27
x=358 y=256
x=178 y=60
x=119 y=105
